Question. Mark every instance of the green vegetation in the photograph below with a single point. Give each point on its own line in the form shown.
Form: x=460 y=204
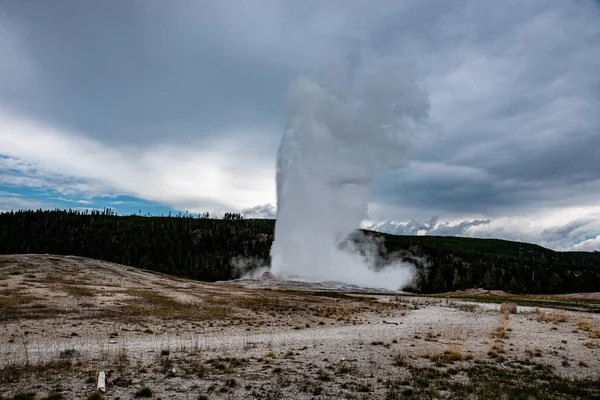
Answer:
x=203 y=249
x=457 y=263
x=487 y=382
x=24 y=396
x=13 y=373
x=54 y=396
x=196 y=248
x=565 y=302
x=32 y=396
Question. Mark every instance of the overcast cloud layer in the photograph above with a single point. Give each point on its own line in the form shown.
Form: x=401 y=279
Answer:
x=182 y=107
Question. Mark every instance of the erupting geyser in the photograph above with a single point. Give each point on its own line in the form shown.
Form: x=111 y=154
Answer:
x=345 y=124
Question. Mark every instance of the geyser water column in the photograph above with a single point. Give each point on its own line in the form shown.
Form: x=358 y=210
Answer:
x=345 y=124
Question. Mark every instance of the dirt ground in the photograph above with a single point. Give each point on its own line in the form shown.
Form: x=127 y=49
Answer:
x=64 y=319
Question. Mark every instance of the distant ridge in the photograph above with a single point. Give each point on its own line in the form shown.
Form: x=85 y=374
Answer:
x=222 y=249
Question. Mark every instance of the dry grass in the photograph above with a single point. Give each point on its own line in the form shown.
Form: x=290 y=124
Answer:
x=322 y=306
x=400 y=360
x=275 y=364
x=15 y=304
x=432 y=336
x=458 y=333
x=60 y=280
x=497 y=352
x=590 y=326
x=14 y=373
x=536 y=352
x=467 y=307
x=508 y=308
x=149 y=303
x=542 y=300
x=501 y=331
x=554 y=316
x=347 y=368
x=449 y=356
x=263 y=303
x=78 y=291
x=115 y=301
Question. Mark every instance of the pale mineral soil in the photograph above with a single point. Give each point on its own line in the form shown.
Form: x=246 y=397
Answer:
x=63 y=319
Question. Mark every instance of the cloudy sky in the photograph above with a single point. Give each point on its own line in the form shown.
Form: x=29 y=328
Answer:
x=154 y=106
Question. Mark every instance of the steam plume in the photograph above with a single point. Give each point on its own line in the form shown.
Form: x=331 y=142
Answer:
x=345 y=124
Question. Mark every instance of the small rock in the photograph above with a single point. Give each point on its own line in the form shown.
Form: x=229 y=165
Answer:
x=121 y=382
x=69 y=354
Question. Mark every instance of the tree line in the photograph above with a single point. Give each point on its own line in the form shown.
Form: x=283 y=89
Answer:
x=205 y=248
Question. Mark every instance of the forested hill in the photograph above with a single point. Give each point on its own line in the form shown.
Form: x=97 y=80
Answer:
x=203 y=248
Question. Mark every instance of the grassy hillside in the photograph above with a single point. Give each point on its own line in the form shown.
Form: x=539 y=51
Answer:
x=205 y=248
x=459 y=263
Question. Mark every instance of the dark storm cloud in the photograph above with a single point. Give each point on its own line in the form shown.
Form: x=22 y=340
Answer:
x=514 y=91
x=146 y=71
x=127 y=72
x=518 y=106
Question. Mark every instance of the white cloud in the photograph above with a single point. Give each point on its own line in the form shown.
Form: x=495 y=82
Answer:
x=588 y=245
x=221 y=176
x=568 y=235
x=569 y=229
x=78 y=201
x=4 y=193
x=8 y=203
x=268 y=211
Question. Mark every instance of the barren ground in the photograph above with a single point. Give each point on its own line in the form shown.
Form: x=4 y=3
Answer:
x=64 y=319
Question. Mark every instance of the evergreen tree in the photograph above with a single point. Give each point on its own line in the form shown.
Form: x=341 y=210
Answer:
x=514 y=286
x=439 y=282
x=203 y=248
x=489 y=282
x=456 y=280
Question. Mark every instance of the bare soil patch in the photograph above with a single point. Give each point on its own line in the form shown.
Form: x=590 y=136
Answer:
x=64 y=319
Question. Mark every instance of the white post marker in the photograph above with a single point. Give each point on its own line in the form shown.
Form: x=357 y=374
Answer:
x=102 y=381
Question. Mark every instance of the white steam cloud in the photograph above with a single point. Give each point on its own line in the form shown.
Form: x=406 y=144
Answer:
x=345 y=124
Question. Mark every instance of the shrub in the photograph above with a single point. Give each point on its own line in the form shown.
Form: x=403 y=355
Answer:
x=95 y=396
x=24 y=396
x=54 y=396
x=399 y=360
x=143 y=392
